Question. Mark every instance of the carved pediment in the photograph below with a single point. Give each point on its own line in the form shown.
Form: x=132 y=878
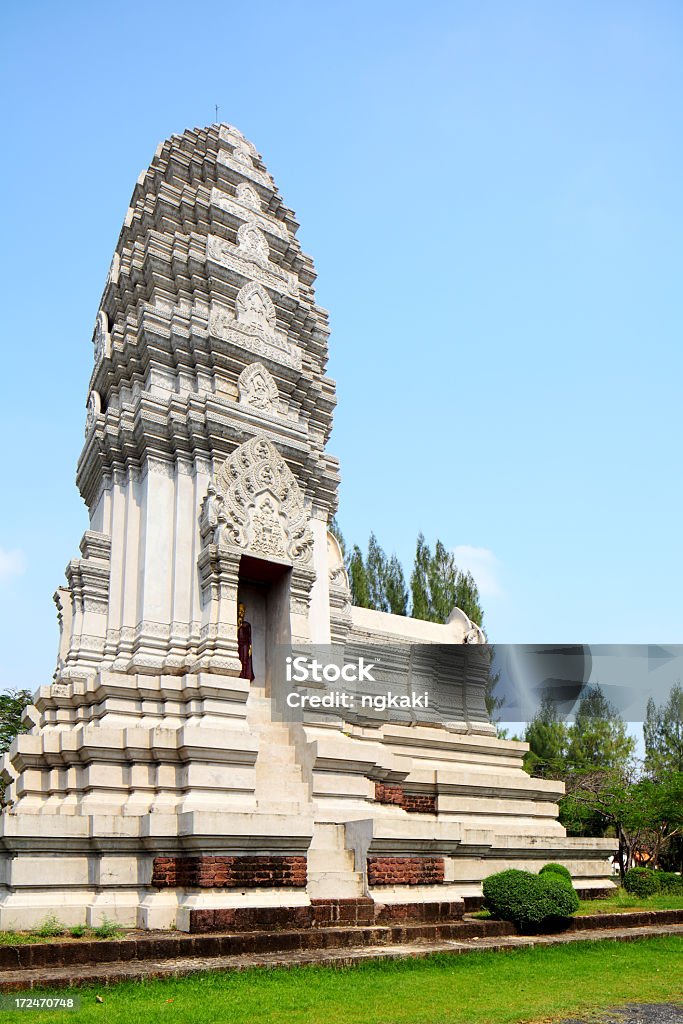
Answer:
x=256 y=504
x=257 y=388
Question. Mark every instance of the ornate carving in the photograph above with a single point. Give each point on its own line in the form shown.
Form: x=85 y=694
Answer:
x=252 y=243
x=241 y=155
x=248 y=196
x=260 y=506
x=100 y=338
x=268 y=535
x=278 y=348
x=257 y=388
x=255 y=310
x=475 y=635
x=93 y=411
x=337 y=572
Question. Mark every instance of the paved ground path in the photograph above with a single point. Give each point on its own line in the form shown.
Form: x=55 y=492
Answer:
x=109 y=973
x=656 y=1013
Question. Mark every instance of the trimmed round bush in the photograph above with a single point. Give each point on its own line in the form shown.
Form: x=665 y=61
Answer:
x=641 y=882
x=556 y=869
x=528 y=899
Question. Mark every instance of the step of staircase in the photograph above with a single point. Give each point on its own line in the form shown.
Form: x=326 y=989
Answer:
x=110 y=972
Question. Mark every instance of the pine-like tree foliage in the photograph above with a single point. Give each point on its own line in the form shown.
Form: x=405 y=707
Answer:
x=438 y=586
x=419 y=580
x=598 y=738
x=358 y=579
x=395 y=587
x=663 y=729
x=376 y=570
x=547 y=736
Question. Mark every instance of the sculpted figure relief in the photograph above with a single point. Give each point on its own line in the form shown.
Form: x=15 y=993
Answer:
x=255 y=308
x=263 y=503
x=257 y=388
x=252 y=243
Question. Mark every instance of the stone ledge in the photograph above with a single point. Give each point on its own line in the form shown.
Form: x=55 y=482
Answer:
x=210 y=953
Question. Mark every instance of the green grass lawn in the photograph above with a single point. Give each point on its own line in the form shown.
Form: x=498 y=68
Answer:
x=521 y=985
x=623 y=901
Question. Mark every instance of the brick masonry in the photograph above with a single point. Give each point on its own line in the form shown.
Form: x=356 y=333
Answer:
x=393 y=793
x=328 y=913
x=405 y=870
x=263 y=872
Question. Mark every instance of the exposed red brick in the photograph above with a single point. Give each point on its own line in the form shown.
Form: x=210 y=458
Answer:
x=229 y=872
x=389 y=793
x=393 y=793
x=405 y=870
x=422 y=803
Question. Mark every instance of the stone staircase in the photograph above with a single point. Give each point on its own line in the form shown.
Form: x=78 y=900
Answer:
x=331 y=867
x=280 y=788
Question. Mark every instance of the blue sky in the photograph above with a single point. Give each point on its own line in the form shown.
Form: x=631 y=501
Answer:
x=492 y=196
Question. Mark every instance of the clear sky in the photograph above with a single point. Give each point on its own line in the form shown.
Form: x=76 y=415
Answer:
x=491 y=192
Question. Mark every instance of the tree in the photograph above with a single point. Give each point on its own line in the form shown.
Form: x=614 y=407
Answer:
x=12 y=705
x=547 y=736
x=438 y=586
x=376 y=569
x=419 y=580
x=598 y=739
x=663 y=731
x=358 y=579
x=395 y=586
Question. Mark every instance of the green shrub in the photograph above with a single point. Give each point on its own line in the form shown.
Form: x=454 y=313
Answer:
x=107 y=929
x=641 y=882
x=669 y=881
x=49 y=928
x=556 y=869
x=528 y=899
x=78 y=931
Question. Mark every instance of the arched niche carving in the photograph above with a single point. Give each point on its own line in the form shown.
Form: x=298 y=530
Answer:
x=252 y=243
x=261 y=507
x=257 y=388
x=248 y=196
x=255 y=309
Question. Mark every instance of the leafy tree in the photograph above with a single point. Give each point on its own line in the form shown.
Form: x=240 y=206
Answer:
x=12 y=705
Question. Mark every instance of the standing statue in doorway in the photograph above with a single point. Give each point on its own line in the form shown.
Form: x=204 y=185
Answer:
x=244 y=645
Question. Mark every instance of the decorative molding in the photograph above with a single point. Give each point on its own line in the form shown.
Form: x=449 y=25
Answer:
x=256 y=504
x=101 y=338
x=257 y=388
x=274 y=345
x=252 y=243
x=247 y=195
x=255 y=310
x=94 y=409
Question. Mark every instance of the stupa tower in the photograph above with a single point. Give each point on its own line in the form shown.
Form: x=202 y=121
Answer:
x=208 y=347
x=156 y=785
